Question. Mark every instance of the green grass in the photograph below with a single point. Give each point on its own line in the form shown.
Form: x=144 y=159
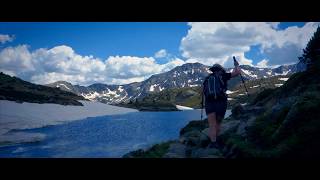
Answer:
x=156 y=151
x=290 y=132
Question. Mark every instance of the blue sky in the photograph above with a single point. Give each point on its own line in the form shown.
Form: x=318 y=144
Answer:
x=110 y=38
x=101 y=39
x=110 y=46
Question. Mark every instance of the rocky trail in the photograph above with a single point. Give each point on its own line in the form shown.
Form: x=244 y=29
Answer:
x=193 y=140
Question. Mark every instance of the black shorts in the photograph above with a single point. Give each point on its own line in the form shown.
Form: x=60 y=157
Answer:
x=218 y=106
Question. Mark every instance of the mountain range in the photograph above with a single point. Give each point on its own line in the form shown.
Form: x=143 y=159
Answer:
x=186 y=75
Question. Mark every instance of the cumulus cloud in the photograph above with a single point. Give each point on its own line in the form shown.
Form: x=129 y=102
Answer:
x=274 y=25
x=160 y=54
x=63 y=63
x=128 y=66
x=6 y=38
x=217 y=42
x=17 y=59
x=171 y=64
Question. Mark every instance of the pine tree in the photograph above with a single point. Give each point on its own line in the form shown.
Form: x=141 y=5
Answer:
x=311 y=54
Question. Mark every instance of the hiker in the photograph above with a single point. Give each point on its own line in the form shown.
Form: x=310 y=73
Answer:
x=215 y=98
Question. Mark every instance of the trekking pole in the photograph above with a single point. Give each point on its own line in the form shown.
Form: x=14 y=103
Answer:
x=235 y=62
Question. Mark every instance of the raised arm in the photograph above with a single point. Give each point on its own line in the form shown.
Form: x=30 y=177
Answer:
x=236 y=71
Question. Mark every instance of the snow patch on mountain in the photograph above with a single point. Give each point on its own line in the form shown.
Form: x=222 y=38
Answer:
x=231 y=92
x=283 y=79
x=283 y=74
x=254 y=86
x=91 y=95
x=63 y=86
x=120 y=88
x=183 y=108
x=249 y=73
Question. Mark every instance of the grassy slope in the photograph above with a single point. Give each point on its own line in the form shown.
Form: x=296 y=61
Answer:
x=292 y=129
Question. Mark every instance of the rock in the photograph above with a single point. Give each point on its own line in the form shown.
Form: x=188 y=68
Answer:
x=194 y=125
x=241 y=130
x=251 y=121
x=195 y=138
x=228 y=126
x=176 y=150
x=206 y=153
x=204 y=138
x=243 y=112
x=253 y=109
x=237 y=111
x=230 y=152
x=191 y=138
x=244 y=125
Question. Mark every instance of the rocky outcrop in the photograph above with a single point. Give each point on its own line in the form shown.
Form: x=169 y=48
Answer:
x=176 y=150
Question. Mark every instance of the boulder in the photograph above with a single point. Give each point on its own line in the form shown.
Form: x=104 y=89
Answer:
x=254 y=109
x=191 y=138
x=194 y=125
x=176 y=150
x=244 y=125
x=228 y=127
x=204 y=138
x=237 y=111
x=241 y=130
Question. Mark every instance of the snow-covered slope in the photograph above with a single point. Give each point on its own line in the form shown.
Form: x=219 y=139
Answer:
x=33 y=115
x=183 y=108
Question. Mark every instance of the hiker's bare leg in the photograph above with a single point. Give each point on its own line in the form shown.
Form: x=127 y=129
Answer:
x=212 y=126
x=218 y=125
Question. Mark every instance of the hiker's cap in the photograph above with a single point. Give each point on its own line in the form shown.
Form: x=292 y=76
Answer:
x=217 y=67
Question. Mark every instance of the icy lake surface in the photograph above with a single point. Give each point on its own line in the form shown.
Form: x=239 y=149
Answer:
x=110 y=135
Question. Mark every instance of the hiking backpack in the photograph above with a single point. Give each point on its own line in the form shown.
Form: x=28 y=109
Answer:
x=214 y=86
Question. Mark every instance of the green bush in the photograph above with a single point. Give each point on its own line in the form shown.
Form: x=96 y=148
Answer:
x=156 y=151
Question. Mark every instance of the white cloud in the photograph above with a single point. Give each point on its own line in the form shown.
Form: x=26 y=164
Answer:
x=226 y=61
x=63 y=59
x=63 y=63
x=17 y=59
x=217 y=42
x=49 y=77
x=134 y=69
x=160 y=54
x=171 y=64
x=129 y=66
x=126 y=81
x=6 y=38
